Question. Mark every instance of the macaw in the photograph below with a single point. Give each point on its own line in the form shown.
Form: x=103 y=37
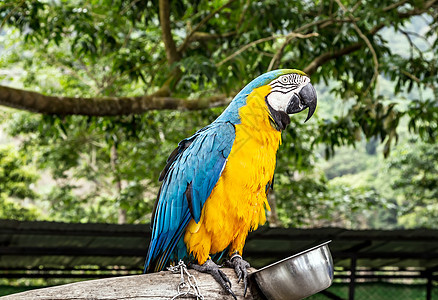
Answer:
x=215 y=183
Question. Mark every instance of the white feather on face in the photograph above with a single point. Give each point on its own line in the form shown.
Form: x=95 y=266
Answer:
x=283 y=88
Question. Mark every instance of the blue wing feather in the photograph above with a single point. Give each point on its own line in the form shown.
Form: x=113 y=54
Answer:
x=197 y=163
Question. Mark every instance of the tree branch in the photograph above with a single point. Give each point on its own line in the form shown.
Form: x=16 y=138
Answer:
x=417 y=11
x=108 y=106
x=367 y=42
x=325 y=57
x=200 y=24
x=394 y=5
x=171 y=51
x=266 y=39
x=10 y=14
x=320 y=23
x=276 y=59
x=128 y=7
x=299 y=32
x=204 y=36
x=418 y=80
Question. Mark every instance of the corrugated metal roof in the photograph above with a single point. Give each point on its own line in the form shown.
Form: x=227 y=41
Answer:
x=54 y=245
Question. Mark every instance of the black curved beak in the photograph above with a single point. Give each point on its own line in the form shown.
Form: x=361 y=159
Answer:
x=306 y=98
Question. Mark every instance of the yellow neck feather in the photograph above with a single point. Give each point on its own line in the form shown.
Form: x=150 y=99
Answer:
x=256 y=120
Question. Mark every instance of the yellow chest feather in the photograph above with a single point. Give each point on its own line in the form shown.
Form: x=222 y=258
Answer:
x=237 y=202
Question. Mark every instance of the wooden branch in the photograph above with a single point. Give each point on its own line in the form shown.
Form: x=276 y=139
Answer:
x=128 y=7
x=418 y=11
x=10 y=14
x=299 y=32
x=200 y=24
x=266 y=39
x=394 y=5
x=325 y=57
x=367 y=42
x=418 y=80
x=156 y=286
x=204 y=36
x=109 y=106
x=171 y=51
x=275 y=61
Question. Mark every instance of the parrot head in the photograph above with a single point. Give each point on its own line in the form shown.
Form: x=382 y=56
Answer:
x=285 y=92
x=291 y=92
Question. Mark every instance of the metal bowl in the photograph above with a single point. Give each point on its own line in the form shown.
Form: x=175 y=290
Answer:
x=297 y=276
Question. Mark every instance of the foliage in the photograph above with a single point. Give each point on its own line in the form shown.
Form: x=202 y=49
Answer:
x=15 y=180
x=415 y=170
x=404 y=185
x=105 y=168
x=79 y=153
x=310 y=202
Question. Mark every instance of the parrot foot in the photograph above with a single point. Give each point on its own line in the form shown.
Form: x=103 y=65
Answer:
x=213 y=269
x=240 y=267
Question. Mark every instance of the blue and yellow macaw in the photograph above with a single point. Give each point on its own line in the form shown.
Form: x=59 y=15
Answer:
x=215 y=183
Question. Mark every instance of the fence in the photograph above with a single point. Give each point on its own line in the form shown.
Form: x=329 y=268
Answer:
x=379 y=290
x=370 y=264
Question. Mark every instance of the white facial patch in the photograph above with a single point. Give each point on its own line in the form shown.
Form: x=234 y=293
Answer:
x=283 y=88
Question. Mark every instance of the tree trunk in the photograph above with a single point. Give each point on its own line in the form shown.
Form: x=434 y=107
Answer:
x=156 y=286
x=273 y=216
x=114 y=156
x=166 y=32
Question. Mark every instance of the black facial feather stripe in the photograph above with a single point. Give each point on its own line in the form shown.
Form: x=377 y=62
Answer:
x=297 y=79
x=279 y=91
x=288 y=86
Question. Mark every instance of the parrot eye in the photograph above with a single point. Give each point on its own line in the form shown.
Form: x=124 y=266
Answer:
x=284 y=79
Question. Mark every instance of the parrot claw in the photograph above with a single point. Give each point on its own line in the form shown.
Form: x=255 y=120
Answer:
x=240 y=267
x=213 y=269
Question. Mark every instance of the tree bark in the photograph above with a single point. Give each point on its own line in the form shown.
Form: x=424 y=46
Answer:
x=190 y=37
x=155 y=286
x=169 y=43
x=110 y=106
x=114 y=157
x=273 y=216
x=326 y=57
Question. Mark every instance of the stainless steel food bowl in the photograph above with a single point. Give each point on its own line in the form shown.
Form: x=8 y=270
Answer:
x=298 y=276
